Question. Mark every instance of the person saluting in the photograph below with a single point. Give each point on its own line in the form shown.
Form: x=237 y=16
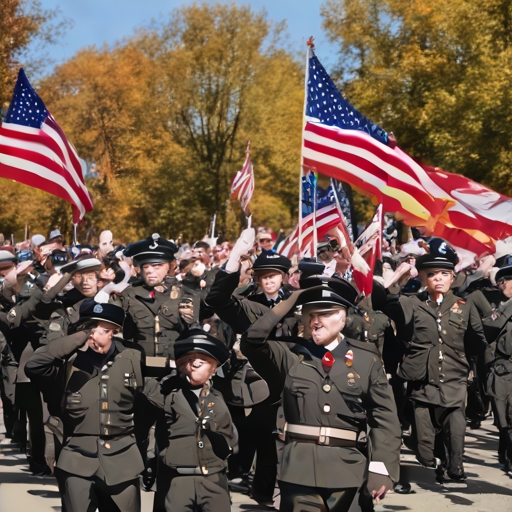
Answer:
x=333 y=389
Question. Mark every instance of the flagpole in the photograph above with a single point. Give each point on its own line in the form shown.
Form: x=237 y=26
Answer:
x=315 y=199
x=306 y=79
x=75 y=243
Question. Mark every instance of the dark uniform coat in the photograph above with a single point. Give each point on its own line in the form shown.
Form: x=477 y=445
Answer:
x=435 y=361
x=97 y=406
x=153 y=320
x=346 y=397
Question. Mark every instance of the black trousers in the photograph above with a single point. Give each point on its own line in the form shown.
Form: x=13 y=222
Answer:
x=7 y=394
x=81 y=494
x=301 y=498
x=190 y=493
x=255 y=435
x=450 y=423
x=29 y=404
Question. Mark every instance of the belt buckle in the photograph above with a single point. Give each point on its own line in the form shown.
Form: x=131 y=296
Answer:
x=323 y=437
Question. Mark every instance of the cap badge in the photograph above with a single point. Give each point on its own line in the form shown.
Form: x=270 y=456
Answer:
x=155 y=237
x=349 y=358
x=98 y=308
x=327 y=361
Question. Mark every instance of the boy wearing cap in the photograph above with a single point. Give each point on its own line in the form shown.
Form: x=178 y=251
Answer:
x=433 y=327
x=158 y=309
x=330 y=386
x=197 y=433
x=96 y=379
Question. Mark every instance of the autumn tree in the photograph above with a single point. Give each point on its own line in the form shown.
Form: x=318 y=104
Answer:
x=225 y=79
x=437 y=73
x=21 y=23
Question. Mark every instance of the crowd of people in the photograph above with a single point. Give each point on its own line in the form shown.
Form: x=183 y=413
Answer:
x=196 y=371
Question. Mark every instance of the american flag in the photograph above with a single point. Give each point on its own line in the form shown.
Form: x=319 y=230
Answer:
x=340 y=142
x=242 y=187
x=328 y=216
x=369 y=248
x=35 y=151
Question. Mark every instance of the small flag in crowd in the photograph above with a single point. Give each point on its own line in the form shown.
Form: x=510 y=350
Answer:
x=368 y=248
x=328 y=216
x=35 y=151
x=242 y=187
x=340 y=142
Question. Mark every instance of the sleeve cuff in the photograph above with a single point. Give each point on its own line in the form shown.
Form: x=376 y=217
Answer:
x=379 y=468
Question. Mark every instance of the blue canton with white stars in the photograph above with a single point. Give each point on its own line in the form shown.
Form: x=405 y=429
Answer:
x=326 y=104
x=26 y=106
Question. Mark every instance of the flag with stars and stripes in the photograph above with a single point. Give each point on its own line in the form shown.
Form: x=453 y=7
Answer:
x=34 y=150
x=327 y=216
x=242 y=187
x=340 y=142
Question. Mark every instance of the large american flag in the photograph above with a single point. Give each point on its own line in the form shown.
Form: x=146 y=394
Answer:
x=328 y=217
x=35 y=151
x=340 y=142
x=242 y=187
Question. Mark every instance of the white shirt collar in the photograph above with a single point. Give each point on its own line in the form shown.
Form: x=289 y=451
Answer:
x=334 y=344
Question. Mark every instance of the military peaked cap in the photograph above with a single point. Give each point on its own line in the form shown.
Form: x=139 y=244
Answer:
x=271 y=260
x=153 y=249
x=91 y=310
x=200 y=341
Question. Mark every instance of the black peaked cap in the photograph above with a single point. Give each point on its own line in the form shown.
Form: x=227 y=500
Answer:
x=271 y=260
x=504 y=272
x=340 y=286
x=153 y=249
x=92 y=310
x=323 y=295
x=200 y=341
x=435 y=261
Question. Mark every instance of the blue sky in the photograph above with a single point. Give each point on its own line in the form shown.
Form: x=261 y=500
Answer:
x=98 y=21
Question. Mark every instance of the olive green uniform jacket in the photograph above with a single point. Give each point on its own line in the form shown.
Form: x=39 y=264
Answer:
x=96 y=423
x=354 y=397
x=435 y=336
x=192 y=436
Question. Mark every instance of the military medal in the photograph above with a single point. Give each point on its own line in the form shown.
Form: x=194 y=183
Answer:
x=202 y=283
x=327 y=361
x=349 y=358
x=174 y=292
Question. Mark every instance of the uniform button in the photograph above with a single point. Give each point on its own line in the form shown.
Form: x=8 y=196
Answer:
x=107 y=446
x=200 y=444
x=326 y=388
x=327 y=408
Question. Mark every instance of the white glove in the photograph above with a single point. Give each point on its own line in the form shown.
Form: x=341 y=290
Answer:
x=243 y=245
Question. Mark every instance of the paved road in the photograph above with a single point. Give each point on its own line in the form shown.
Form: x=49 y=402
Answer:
x=488 y=489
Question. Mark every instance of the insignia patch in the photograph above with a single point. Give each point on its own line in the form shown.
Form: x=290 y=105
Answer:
x=70 y=311
x=327 y=361
x=54 y=326
x=211 y=404
x=98 y=308
x=12 y=314
x=349 y=358
x=165 y=309
x=351 y=383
